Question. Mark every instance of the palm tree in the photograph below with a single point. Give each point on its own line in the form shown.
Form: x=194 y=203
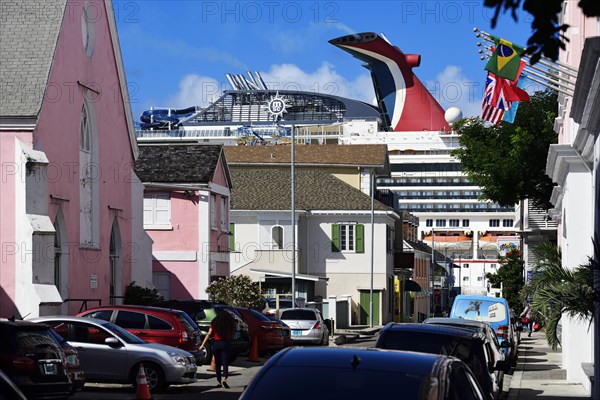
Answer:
x=555 y=290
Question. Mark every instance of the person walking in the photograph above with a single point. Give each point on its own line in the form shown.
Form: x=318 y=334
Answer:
x=526 y=319
x=221 y=330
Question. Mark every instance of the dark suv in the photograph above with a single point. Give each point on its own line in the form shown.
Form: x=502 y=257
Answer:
x=33 y=360
x=203 y=312
x=153 y=325
x=470 y=346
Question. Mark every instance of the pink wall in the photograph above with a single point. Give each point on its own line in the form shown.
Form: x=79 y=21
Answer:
x=57 y=134
x=184 y=220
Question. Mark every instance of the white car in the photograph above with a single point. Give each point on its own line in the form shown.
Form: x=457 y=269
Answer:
x=110 y=354
x=307 y=325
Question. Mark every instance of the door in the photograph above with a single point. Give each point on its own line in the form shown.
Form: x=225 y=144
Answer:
x=365 y=306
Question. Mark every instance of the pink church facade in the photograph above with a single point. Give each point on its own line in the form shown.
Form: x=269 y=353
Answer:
x=71 y=224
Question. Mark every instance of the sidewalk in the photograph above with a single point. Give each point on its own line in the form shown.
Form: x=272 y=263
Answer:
x=539 y=375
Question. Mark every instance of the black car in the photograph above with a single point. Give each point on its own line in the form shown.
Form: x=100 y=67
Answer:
x=203 y=312
x=300 y=373
x=33 y=360
x=469 y=346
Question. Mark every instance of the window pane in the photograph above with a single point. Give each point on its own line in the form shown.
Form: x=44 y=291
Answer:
x=131 y=320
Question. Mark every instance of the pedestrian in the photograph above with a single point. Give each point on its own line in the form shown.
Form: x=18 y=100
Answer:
x=526 y=318
x=221 y=330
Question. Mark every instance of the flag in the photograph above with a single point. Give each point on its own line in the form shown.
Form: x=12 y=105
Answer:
x=505 y=60
x=492 y=113
x=509 y=115
x=505 y=91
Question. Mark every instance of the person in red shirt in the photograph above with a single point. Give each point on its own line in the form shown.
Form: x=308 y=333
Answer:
x=221 y=330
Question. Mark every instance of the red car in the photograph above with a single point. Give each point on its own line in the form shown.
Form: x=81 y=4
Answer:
x=153 y=325
x=270 y=335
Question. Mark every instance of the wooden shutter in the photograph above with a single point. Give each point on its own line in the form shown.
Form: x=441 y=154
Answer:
x=360 y=238
x=335 y=238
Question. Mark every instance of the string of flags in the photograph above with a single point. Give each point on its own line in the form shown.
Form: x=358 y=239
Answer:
x=508 y=73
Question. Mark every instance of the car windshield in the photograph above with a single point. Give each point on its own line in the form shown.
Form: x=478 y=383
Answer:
x=38 y=342
x=480 y=310
x=302 y=315
x=301 y=383
x=424 y=342
x=259 y=316
x=123 y=334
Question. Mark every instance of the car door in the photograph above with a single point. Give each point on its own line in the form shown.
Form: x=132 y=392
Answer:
x=98 y=360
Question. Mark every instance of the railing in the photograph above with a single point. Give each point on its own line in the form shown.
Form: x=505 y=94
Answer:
x=84 y=303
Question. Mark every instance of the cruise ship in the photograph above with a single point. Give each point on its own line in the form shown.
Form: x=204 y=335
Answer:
x=426 y=180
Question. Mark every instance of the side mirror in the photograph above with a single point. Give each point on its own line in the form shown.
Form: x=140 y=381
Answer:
x=504 y=344
x=502 y=366
x=113 y=342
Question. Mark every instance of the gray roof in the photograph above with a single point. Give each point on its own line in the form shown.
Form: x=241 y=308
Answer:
x=269 y=188
x=178 y=163
x=28 y=35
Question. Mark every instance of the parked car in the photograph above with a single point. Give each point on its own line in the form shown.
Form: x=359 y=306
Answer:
x=271 y=305
x=76 y=375
x=307 y=325
x=300 y=373
x=288 y=336
x=203 y=312
x=33 y=360
x=111 y=354
x=153 y=325
x=470 y=347
x=501 y=366
x=493 y=310
x=270 y=335
x=517 y=325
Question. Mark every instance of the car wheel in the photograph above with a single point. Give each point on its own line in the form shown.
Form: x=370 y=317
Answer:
x=154 y=376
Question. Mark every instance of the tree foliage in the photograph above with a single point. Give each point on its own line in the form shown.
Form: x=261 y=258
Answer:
x=555 y=290
x=508 y=161
x=138 y=295
x=510 y=274
x=236 y=290
x=548 y=34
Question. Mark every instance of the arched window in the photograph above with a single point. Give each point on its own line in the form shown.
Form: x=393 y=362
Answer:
x=115 y=264
x=88 y=179
x=89 y=14
x=57 y=257
x=277 y=237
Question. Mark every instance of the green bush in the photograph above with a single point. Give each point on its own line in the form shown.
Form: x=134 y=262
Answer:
x=236 y=290
x=138 y=295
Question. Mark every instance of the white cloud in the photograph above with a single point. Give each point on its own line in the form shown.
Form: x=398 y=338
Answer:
x=451 y=88
x=324 y=79
x=195 y=90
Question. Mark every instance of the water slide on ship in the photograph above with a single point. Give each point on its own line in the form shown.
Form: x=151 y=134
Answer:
x=166 y=118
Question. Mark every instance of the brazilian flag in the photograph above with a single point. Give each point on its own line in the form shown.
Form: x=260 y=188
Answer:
x=505 y=59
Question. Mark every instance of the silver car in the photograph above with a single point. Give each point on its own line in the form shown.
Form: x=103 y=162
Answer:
x=307 y=325
x=110 y=354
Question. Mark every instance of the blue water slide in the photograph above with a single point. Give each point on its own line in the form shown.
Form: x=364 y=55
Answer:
x=165 y=118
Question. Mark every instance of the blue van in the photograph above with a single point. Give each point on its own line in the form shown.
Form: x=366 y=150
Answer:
x=493 y=310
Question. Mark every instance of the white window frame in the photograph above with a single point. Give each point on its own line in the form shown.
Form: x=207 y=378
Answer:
x=151 y=204
x=347 y=233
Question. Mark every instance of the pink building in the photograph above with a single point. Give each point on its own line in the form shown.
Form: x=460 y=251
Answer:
x=186 y=213
x=70 y=205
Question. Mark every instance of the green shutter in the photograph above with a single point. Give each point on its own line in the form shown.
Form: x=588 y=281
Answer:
x=360 y=238
x=335 y=238
x=232 y=236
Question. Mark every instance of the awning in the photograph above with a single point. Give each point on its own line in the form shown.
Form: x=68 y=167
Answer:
x=278 y=274
x=411 y=286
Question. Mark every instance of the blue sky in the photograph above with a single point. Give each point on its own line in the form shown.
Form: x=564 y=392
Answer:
x=176 y=53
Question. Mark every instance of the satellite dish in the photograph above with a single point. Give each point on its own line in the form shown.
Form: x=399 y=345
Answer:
x=452 y=115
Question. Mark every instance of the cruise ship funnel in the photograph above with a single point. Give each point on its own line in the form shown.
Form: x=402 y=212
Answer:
x=405 y=103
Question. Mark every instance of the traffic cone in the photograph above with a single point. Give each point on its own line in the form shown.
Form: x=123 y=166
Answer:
x=253 y=350
x=142 y=391
x=213 y=365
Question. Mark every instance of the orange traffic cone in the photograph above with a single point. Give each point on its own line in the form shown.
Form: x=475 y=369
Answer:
x=142 y=391
x=253 y=350
x=213 y=366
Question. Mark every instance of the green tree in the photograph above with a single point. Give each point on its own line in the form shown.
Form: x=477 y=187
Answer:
x=508 y=161
x=548 y=34
x=138 y=295
x=510 y=275
x=236 y=290
x=555 y=290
